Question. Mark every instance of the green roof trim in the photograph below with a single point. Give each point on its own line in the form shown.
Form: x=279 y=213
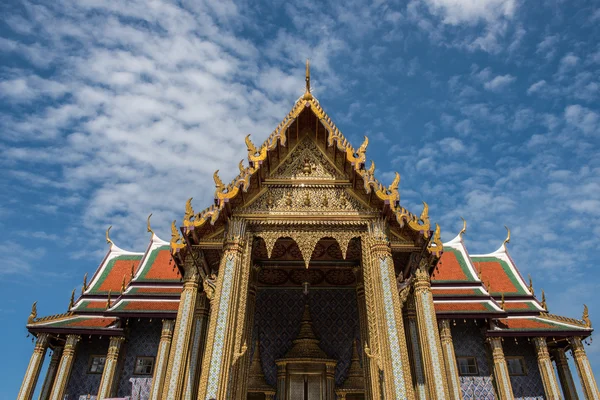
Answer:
x=108 y=269
x=505 y=267
x=148 y=266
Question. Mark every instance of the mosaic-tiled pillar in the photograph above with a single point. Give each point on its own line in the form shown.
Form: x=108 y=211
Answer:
x=64 y=368
x=431 y=348
x=584 y=369
x=450 y=360
x=364 y=333
x=107 y=383
x=546 y=369
x=393 y=357
x=564 y=374
x=51 y=373
x=241 y=368
x=228 y=308
x=415 y=349
x=180 y=345
x=162 y=358
x=501 y=377
x=194 y=359
x=34 y=367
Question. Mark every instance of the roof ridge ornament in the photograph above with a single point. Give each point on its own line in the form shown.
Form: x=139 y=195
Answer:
x=507 y=240
x=148 y=227
x=307 y=93
x=108 y=240
x=586 y=316
x=33 y=315
x=464 y=228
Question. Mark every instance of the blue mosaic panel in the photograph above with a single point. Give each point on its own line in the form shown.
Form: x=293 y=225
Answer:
x=277 y=321
x=469 y=341
x=142 y=341
x=530 y=386
x=80 y=382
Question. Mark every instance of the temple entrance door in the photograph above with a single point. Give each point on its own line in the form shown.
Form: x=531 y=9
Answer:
x=305 y=386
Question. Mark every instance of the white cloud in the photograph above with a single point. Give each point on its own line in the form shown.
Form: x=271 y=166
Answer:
x=499 y=82
x=588 y=121
x=455 y=12
x=569 y=61
x=537 y=87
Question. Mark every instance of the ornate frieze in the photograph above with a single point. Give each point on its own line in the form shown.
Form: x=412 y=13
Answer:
x=306 y=162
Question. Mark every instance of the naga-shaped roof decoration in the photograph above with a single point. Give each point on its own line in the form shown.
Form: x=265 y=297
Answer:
x=356 y=157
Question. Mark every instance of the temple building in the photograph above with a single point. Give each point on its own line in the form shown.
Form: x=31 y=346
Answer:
x=306 y=279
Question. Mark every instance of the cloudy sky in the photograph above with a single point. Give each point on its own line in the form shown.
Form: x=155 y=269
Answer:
x=112 y=110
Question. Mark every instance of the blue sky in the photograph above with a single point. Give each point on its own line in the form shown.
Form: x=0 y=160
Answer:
x=109 y=111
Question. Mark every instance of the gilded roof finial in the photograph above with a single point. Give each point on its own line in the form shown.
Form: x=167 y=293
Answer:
x=123 y=284
x=502 y=301
x=307 y=94
x=507 y=240
x=148 y=227
x=108 y=301
x=544 y=306
x=84 y=287
x=72 y=301
x=464 y=228
x=33 y=314
x=586 y=317
x=132 y=271
x=241 y=166
x=530 y=285
x=108 y=236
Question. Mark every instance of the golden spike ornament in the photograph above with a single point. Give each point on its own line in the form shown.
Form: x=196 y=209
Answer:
x=108 y=236
x=132 y=271
x=371 y=169
x=189 y=213
x=148 y=227
x=218 y=182
x=464 y=228
x=436 y=246
x=307 y=95
x=502 y=306
x=241 y=166
x=33 y=314
x=254 y=155
x=108 y=301
x=544 y=305
x=425 y=213
x=530 y=285
x=84 y=287
x=177 y=241
x=507 y=240
x=586 y=316
x=72 y=300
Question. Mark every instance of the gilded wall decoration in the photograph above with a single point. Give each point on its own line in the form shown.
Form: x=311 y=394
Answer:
x=306 y=162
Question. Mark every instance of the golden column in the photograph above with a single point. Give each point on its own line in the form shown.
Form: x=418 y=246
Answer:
x=162 y=358
x=197 y=349
x=415 y=349
x=503 y=385
x=175 y=376
x=584 y=369
x=228 y=308
x=51 y=373
x=392 y=351
x=546 y=369
x=450 y=359
x=431 y=348
x=107 y=383
x=64 y=368
x=34 y=367
x=564 y=374
x=364 y=332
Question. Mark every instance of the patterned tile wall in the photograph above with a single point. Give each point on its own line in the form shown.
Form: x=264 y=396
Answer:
x=530 y=386
x=469 y=341
x=142 y=340
x=80 y=382
x=335 y=321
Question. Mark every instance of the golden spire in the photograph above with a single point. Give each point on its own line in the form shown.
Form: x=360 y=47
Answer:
x=530 y=284
x=464 y=228
x=72 y=301
x=33 y=314
x=84 y=287
x=132 y=271
x=586 y=316
x=307 y=94
x=507 y=240
x=123 y=284
x=108 y=301
x=148 y=227
x=108 y=237
x=544 y=306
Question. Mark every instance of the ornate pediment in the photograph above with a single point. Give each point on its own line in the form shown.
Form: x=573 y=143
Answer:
x=306 y=199
x=306 y=162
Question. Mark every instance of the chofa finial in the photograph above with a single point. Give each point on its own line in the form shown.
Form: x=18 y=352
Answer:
x=148 y=227
x=72 y=300
x=108 y=236
x=586 y=316
x=307 y=94
x=33 y=314
x=507 y=240
x=464 y=228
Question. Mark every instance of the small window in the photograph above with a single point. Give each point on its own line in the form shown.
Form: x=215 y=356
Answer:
x=96 y=365
x=467 y=365
x=143 y=365
x=516 y=366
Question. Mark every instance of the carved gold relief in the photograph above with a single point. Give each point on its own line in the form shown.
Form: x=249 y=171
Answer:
x=306 y=162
